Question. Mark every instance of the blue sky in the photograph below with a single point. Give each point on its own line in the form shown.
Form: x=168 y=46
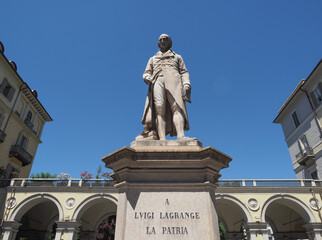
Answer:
x=86 y=59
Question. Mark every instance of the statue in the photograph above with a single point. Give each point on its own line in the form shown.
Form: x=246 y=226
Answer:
x=165 y=109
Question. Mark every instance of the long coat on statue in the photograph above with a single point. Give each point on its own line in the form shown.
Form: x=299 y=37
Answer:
x=171 y=66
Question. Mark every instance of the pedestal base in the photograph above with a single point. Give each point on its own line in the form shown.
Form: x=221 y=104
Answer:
x=166 y=190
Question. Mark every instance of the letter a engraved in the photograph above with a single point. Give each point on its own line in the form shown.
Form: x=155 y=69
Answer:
x=150 y=231
x=167 y=202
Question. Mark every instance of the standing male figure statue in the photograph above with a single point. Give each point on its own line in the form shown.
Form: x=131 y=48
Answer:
x=165 y=109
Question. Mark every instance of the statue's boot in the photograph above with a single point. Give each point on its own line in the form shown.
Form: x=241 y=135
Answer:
x=185 y=138
x=149 y=135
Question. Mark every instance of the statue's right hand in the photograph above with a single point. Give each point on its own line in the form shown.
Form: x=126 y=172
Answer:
x=148 y=79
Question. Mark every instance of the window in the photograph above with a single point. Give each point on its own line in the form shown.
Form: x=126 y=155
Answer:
x=6 y=89
x=316 y=95
x=28 y=120
x=295 y=119
x=22 y=141
x=314 y=175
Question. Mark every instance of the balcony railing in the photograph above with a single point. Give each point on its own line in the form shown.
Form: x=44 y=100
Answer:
x=2 y=136
x=20 y=154
x=305 y=152
x=106 y=183
x=53 y=182
x=305 y=156
x=271 y=183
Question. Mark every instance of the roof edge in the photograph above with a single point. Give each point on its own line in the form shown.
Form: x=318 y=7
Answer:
x=295 y=91
x=23 y=82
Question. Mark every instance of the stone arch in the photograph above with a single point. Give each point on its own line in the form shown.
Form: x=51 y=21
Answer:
x=238 y=202
x=32 y=201
x=36 y=215
x=232 y=213
x=90 y=201
x=287 y=216
x=91 y=211
x=307 y=213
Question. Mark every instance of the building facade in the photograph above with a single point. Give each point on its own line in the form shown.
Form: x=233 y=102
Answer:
x=248 y=209
x=22 y=119
x=301 y=120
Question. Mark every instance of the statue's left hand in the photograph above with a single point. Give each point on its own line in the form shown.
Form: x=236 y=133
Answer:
x=187 y=93
x=148 y=80
x=187 y=87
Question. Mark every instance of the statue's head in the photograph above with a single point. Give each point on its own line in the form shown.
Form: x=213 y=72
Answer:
x=165 y=42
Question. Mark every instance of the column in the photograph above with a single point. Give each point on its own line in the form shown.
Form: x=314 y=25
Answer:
x=66 y=230
x=10 y=229
x=314 y=230
x=257 y=230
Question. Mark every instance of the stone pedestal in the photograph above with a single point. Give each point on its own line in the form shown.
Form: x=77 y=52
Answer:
x=166 y=190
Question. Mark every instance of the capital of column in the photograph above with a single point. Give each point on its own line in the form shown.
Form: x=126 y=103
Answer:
x=314 y=230
x=10 y=226
x=67 y=226
x=255 y=228
x=10 y=229
x=313 y=226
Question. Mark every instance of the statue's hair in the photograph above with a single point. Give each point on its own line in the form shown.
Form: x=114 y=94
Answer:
x=167 y=36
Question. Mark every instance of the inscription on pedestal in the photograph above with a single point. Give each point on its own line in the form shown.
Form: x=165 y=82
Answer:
x=167 y=229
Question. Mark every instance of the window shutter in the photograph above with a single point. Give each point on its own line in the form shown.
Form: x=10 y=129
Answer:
x=1 y=119
x=26 y=143
x=4 y=84
x=11 y=93
x=315 y=103
x=320 y=87
x=19 y=139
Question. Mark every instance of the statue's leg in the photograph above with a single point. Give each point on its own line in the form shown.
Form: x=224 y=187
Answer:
x=178 y=118
x=178 y=121
x=160 y=104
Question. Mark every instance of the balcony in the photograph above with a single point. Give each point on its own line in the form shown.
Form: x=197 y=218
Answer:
x=304 y=156
x=20 y=154
x=2 y=136
x=225 y=183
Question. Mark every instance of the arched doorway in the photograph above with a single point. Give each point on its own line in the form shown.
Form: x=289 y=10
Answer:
x=287 y=216
x=92 y=212
x=233 y=216
x=37 y=216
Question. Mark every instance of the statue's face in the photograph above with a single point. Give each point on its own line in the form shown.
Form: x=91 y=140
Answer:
x=164 y=43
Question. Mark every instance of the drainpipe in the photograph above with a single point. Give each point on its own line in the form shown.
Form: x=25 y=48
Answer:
x=14 y=105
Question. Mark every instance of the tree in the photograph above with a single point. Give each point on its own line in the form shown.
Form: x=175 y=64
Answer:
x=43 y=175
x=52 y=233
x=98 y=172
x=86 y=175
x=106 y=230
x=222 y=231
